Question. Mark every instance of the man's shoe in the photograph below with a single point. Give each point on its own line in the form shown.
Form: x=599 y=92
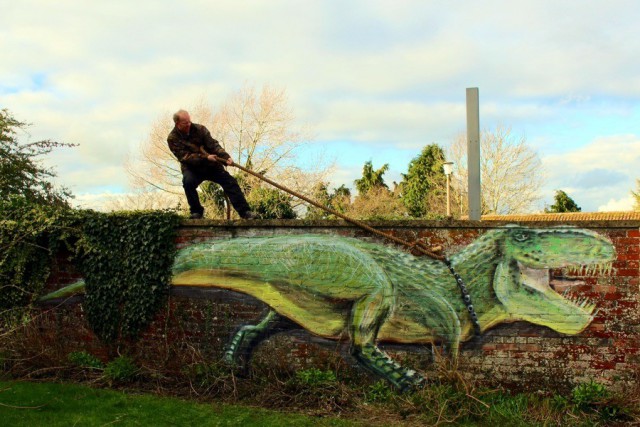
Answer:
x=196 y=215
x=250 y=215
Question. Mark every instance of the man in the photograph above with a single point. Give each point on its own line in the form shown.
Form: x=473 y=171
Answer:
x=199 y=156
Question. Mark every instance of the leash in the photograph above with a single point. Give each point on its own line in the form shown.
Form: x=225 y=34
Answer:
x=416 y=246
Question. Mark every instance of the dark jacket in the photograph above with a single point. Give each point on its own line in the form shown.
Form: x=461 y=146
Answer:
x=192 y=150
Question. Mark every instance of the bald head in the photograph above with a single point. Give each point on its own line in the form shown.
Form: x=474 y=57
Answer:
x=182 y=121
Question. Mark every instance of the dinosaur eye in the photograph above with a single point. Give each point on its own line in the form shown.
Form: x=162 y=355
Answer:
x=520 y=237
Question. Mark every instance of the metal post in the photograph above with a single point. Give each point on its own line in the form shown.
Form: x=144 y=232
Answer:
x=448 y=199
x=473 y=152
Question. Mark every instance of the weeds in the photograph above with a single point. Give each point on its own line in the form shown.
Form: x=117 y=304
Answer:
x=315 y=377
x=82 y=359
x=595 y=397
x=120 y=370
x=379 y=392
x=277 y=380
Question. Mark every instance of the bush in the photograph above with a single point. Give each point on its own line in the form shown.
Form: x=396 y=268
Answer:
x=595 y=397
x=83 y=359
x=315 y=377
x=587 y=395
x=379 y=392
x=121 y=369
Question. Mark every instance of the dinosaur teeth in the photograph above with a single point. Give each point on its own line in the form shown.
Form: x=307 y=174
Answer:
x=582 y=303
x=597 y=269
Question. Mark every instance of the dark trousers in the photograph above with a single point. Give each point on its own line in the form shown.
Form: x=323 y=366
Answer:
x=192 y=179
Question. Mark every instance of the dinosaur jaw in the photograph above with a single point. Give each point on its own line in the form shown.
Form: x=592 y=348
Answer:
x=545 y=281
x=535 y=296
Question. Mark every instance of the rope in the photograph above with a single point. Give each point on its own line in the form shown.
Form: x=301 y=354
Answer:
x=414 y=247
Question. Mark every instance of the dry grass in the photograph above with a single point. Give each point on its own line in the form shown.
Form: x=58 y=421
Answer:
x=180 y=368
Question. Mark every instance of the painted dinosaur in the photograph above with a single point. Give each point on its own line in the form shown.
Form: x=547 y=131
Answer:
x=349 y=289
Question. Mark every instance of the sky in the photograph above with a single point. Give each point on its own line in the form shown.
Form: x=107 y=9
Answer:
x=374 y=80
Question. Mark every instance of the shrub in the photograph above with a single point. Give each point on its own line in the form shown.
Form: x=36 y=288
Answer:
x=121 y=369
x=83 y=359
x=593 y=396
x=379 y=392
x=587 y=395
x=314 y=377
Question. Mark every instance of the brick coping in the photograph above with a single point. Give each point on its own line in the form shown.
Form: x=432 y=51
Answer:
x=581 y=219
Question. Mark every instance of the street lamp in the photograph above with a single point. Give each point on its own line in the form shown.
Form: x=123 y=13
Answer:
x=448 y=170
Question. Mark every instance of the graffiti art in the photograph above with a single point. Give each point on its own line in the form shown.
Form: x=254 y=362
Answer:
x=367 y=293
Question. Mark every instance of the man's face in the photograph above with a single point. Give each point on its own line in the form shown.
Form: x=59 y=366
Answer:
x=184 y=123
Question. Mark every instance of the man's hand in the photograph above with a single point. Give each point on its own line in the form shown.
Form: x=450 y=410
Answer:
x=214 y=158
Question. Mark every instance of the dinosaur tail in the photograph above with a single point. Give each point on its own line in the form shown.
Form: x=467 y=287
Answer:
x=77 y=288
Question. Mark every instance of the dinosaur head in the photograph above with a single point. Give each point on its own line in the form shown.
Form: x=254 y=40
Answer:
x=522 y=278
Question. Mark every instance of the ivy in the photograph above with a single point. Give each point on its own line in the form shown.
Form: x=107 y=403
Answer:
x=29 y=236
x=126 y=261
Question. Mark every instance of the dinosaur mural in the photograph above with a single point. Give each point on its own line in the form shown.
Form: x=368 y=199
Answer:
x=349 y=289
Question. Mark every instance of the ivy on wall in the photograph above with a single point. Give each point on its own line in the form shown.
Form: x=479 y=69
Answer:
x=26 y=245
x=125 y=259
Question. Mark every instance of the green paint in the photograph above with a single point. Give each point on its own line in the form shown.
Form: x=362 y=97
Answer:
x=343 y=288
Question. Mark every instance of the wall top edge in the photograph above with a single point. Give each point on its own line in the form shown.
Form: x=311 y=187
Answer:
x=295 y=223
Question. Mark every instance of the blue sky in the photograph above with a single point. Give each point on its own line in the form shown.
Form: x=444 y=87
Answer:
x=373 y=80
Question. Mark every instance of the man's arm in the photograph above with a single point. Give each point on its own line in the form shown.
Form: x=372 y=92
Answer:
x=183 y=154
x=213 y=146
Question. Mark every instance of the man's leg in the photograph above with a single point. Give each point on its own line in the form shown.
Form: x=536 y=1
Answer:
x=232 y=190
x=190 y=183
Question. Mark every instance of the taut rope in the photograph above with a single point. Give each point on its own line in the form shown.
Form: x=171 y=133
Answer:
x=416 y=246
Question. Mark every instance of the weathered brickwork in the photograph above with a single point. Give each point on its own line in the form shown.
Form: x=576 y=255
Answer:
x=517 y=355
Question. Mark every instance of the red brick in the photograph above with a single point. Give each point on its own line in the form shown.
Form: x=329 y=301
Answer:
x=603 y=365
x=606 y=289
x=628 y=241
x=633 y=264
x=633 y=233
x=505 y=347
x=530 y=347
x=633 y=272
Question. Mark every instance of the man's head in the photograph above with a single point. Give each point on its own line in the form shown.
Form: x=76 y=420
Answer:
x=182 y=121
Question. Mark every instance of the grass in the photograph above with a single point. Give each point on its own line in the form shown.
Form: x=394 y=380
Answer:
x=56 y=404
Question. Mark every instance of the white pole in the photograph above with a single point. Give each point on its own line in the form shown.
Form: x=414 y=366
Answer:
x=473 y=152
x=448 y=200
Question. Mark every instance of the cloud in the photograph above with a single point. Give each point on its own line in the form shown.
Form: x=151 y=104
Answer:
x=617 y=205
x=599 y=178
x=616 y=158
x=95 y=201
x=379 y=74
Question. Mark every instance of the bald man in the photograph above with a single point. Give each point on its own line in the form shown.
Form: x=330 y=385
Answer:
x=199 y=156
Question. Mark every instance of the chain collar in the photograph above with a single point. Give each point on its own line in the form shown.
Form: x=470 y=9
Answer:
x=466 y=298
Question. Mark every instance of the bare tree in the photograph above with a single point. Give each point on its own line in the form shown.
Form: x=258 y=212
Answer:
x=152 y=167
x=258 y=130
x=636 y=196
x=146 y=200
x=511 y=172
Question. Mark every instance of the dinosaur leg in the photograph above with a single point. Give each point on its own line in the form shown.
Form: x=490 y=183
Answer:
x=368 y=315
x=249 y=336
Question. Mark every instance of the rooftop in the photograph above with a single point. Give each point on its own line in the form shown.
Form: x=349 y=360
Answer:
x=567 y=216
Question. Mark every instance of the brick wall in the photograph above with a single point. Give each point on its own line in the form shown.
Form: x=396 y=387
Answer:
x=517 y=355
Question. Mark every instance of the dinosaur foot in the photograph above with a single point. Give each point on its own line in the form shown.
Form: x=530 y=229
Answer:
x=379 y=363
x=239 y=369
